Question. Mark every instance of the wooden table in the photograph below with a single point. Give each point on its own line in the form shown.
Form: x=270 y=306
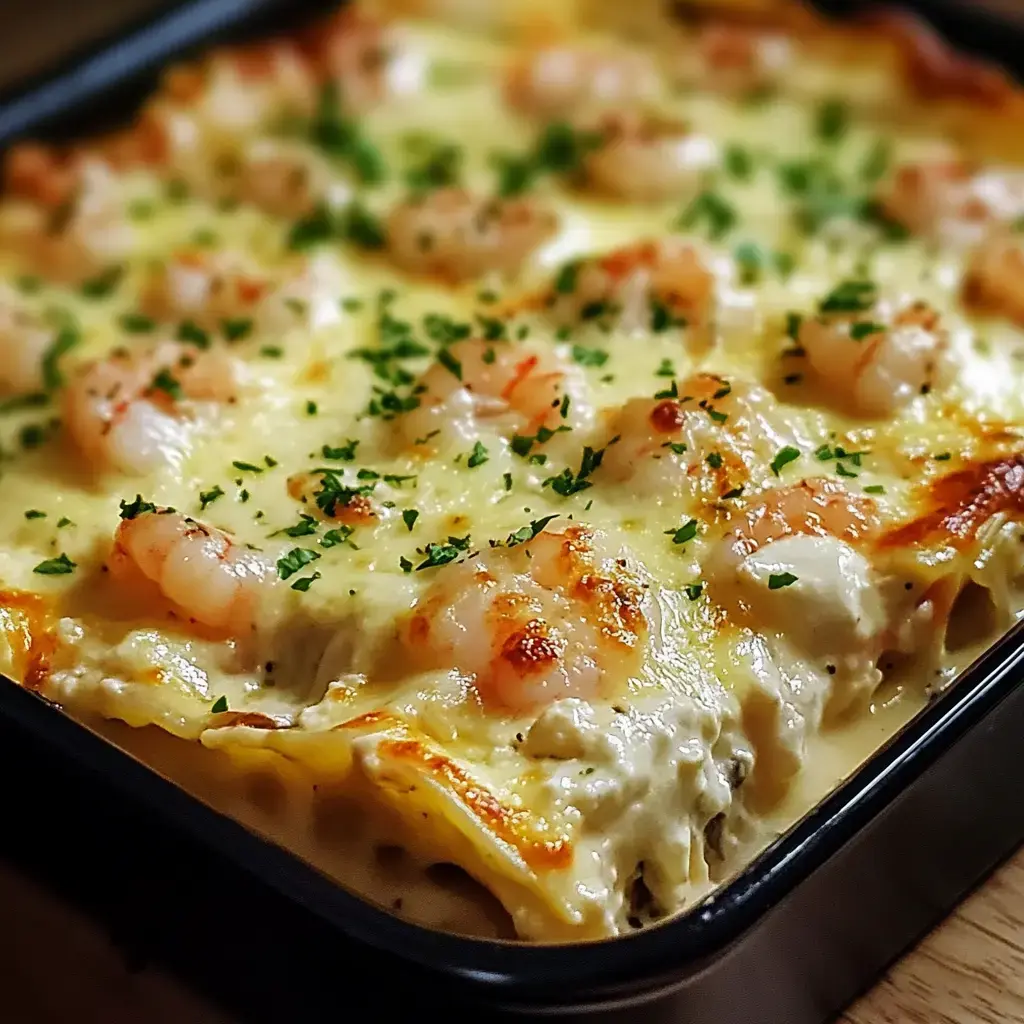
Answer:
x=59 y=969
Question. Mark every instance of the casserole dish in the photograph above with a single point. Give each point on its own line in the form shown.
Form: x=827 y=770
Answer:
x=614 y=962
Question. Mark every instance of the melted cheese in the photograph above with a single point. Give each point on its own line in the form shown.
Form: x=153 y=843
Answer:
x=586 y=815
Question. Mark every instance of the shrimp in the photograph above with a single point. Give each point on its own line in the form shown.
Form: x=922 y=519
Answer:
x=792 y=566
x=664 y=446
x=240 y=90
x=520 y=389
x=284 y=180
x=357 y=52
x=875 y=361
x=813 y=508
x=75 y=224
x=734 y=60
x=206 y=576
x=130 y=412
x=649 y=159
x=992 y=282
x=457 y=236
x=951 y=200
x=24 y=343
x=205 y=287
x=649 y=285
x=565 y=79
x=561 y=615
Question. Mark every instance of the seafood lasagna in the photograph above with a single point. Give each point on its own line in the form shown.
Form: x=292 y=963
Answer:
x=514 y=447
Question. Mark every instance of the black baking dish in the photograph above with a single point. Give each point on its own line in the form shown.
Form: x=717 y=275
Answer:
x=803 y=929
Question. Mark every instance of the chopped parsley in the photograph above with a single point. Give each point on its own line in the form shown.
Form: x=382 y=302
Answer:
x=684 y=533
x=521 y=444
x=864 y=328
x=103 y=284
x=589 y=356
x=59 y=566
x=294 y=561
x=738 y=161
x=527 y=533
x=341 y=535
x=478 y=456
x=560 y=149
x=343 y=139
x=247 y=467
x=441 y=167
x=783 y=457
x=311 y=407
x=64 y=521
x=207 y=498
x=450 y=363
x=832 y=120
x=34 y=513
x=191 y=332
x=714 y=460
x=305 y=527
x=693 y=590
x=662 y=317
x=409 y=517
x=568 y=483
x=136 y=323
x=874 y=489
x=853 y=296
x=710 y=209
x=219 y=705
x=567 y=276
x=778 y=580
x=442 y=554
x=305 y=583
x=342 y=453
x=236 y=328
x=67 y=338
x=134 y=509
x=166 y=382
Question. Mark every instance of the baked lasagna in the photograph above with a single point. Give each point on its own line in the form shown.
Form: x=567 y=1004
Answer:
x=515 y=448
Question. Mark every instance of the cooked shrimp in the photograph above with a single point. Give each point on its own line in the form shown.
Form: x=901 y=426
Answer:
x=206 y=287
x=790 y=566
x=950 y=199
x=559 y=616
x=663 y=444
x=457 y=236
x=285 y=180
x=877 y=360
x=649 y=159
x=130 y=412
x=24 y=342
x=814 y=508
x=994 y=277
x=206 y=576
x=240 y=90
x=356 y=51
x=567 y=79
x=519 y=389
x=76 y=225
x=734 y=59
x=637 y=287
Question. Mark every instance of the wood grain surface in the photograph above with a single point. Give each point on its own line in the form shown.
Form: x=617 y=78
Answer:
x=55 y=968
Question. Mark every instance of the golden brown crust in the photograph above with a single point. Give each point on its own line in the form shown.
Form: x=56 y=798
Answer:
x=27 y=621
x=511 y=826
x=959 y=504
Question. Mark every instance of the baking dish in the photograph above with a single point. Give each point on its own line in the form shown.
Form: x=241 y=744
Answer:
x=547 y=976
